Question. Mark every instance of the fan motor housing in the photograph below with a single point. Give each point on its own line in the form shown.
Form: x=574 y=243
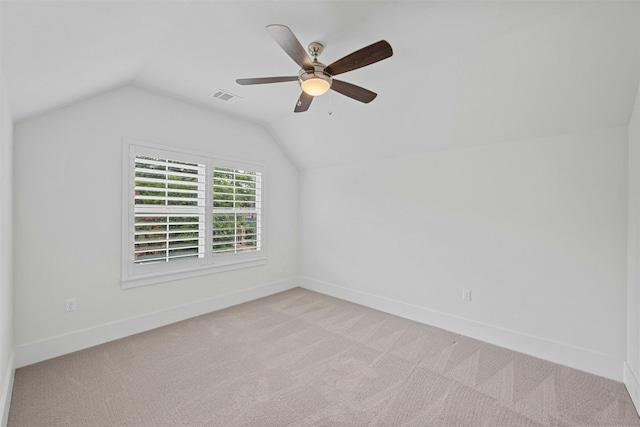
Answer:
x=317 y=73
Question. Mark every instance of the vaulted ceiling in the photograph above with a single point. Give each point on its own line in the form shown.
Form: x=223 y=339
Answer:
x=462 y=73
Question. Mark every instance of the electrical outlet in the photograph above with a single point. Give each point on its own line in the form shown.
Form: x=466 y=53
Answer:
x=466 y=295
x=70 y=304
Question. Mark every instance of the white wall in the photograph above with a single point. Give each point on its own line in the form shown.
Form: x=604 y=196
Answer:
x=67 y=183
x=632 y=366
x=6 y=242
x=535 y=229
x=6 y=258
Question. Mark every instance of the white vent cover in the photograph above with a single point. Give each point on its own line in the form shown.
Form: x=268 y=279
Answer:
x=223 y=95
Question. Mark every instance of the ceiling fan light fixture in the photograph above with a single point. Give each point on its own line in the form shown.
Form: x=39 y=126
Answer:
x=315 y=78
x=315 y=83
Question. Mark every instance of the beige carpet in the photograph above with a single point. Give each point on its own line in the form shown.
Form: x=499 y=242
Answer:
x=299 y=358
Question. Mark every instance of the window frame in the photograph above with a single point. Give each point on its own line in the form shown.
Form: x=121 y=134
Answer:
x=135 y=274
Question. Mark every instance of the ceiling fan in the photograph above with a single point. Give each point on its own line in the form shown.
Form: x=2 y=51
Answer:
x=314 y=77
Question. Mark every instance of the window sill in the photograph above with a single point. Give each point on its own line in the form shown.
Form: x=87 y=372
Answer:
x=149 y=279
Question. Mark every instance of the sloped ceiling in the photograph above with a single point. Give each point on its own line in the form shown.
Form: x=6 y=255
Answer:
x=462 y=73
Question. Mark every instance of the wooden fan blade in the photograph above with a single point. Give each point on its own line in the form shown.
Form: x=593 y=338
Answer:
x=361 y=58
x=303 y=103
x=352 y=91
x=263 y=80
x=288 y=41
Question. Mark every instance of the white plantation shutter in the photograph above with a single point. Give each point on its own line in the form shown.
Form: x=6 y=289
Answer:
x=237 y=208
x=169 y=213
x=188 y=214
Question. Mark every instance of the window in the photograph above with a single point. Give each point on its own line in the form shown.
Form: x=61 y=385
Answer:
x=236 y=210
x=169 y=210
x=188 y=214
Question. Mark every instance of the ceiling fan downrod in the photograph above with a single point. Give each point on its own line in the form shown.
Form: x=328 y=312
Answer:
x=315 y=50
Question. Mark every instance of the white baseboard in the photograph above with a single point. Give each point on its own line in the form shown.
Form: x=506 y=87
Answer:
x=5 y=392
x=633 y=387
x=39 y=351
x=604 y=365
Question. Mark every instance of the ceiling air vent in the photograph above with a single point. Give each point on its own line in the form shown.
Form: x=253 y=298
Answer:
x=225 y=96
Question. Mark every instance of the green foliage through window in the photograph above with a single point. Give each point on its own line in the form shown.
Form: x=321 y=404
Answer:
x=186 y=208
x=236 y=210
x=169 y=208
